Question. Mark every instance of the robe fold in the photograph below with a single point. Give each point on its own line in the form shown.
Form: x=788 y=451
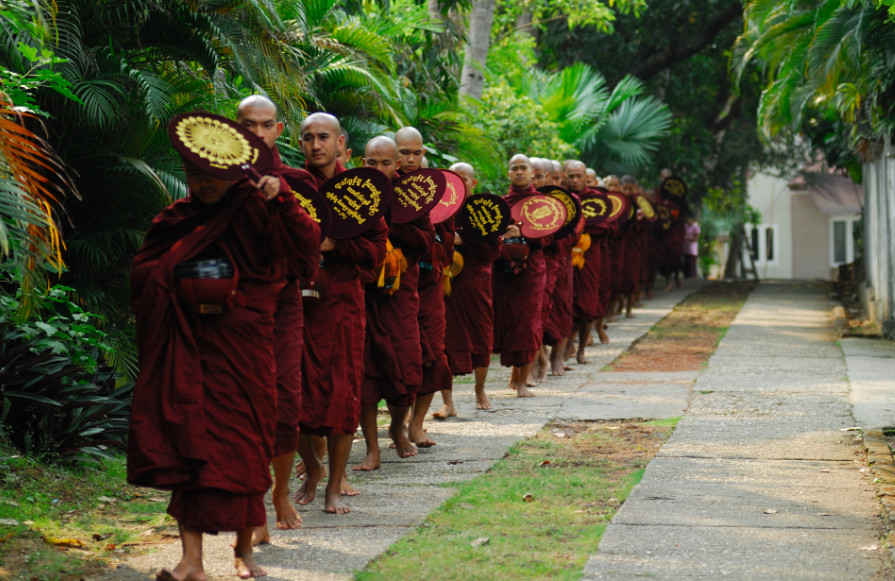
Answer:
x=436 y=371
x=203 y=415
x=469 y=334
x=632 y=256
x=393 y=362
x=335 y=326
x=289 y=319
x=517 y=300
x=588 y=280
x=559 y=319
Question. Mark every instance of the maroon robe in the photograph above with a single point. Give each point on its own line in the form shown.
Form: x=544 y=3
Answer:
x=633 y=249
x=469 y=313
x=618 y=242
x=436 y=371
x=588 y=279
x=289 y=321
x=517 y=301
x=393 y=364
x=335 y=326
x=607 y=247
x=204 y=414
x=559 y=320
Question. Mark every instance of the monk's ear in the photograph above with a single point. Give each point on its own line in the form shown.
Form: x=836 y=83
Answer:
x=280 y=127
x=398 y=163
x=475 y=182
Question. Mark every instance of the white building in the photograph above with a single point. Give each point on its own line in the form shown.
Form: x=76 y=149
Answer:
x=807 y=224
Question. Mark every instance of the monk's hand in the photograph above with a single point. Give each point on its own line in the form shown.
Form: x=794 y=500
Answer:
x=457 y=240
x=513 y=232
x=269 y=186
x=327 y=244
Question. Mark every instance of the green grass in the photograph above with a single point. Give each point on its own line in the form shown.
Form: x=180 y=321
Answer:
x=71 y=520
x=576 y=484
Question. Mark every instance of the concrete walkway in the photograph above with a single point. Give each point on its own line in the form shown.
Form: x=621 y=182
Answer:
x=397 y=498
x=762 y=479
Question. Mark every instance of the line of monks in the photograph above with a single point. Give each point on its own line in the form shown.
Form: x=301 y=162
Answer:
x=221 y=398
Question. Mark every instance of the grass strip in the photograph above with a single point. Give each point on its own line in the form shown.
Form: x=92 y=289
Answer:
x=538 y=513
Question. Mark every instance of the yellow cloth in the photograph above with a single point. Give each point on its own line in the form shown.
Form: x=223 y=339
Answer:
x=452 y=270
x=392 y=266
x=578 y=251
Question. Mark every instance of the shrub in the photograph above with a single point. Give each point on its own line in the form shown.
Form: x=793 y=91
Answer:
x=58 y=397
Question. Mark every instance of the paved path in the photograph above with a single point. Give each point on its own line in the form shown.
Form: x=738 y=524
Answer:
x=761 y=480
x=397 y=498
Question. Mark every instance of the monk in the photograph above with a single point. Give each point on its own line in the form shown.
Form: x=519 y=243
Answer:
x=204 y=410
x=543 y=176
x=259 y=115
x=587 y=276
x=592 y=179
x=344 y=152
x=436 y=372
x=558 y=179
x=335 y=327
x=393 y=355
x=518 y=297
x=617 y=252
x=634 y=230
x=468 y=310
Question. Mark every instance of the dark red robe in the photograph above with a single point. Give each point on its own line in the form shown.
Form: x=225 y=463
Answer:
x=289 y=321
x=588 y=279
x=203 y=416
x=560 y=295
x=517 y=301
x=393 y=363
x=469 y=314
x=633 y=250
x=436 y=371
x=335 y=326
x=607 y=247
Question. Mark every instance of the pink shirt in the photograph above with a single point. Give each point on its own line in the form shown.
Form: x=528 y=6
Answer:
x=691 y=239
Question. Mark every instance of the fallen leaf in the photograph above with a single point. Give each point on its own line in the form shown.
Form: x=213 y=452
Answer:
x=110 y=547
x=771 y=511
x=99 y=537
x=479 y=542
x=545 y=463
x=870 y=548
x=65 y=542
x=527 y=497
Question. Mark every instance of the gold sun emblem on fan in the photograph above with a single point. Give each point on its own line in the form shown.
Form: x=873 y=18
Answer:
x=219 y=144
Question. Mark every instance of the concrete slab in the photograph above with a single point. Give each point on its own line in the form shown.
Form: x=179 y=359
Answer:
x=858 y=347
x=672 y=553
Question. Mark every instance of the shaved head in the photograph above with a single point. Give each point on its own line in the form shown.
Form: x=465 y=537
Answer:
x=321 y=138
x=521 y=158
x=665 y=174
x=410 y=148
x=576 y=175
x=382 y=153
x=257 y=102
x=467 y=172
x=543 y=170
x=520 y=172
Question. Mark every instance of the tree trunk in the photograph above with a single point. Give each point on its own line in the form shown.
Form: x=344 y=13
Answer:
x=732 y=268
x=434 y=7
x=524 y=23
x=472 y=79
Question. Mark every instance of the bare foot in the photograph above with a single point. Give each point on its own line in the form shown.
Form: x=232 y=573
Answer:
x=287 y=517
x=300 y=470
x=421 y=439
x=403 y=446
x=630 y=315
x=481 y=400
x=181 y=573
x=601 y=331
x=523 y=392
x=370 y=463
x=580 y=357
x=308 y=490
x=446 y=411
x=567 y=368
x=246 y=567
x=668 y=288
x=558 y=369
x=260 y=536
x=348 y=490
x=334 y=504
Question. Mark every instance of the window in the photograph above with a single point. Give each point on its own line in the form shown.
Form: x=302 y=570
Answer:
x=842 y=240
x=763 y=240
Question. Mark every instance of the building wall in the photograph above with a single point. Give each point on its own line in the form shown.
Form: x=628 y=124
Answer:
x=810 y=239
x=771 y=197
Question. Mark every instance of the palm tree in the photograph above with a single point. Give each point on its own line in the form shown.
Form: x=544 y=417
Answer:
x=822 y=57
x=615 y=130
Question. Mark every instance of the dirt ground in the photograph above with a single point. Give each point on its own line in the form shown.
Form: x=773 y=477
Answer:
x=687 y=337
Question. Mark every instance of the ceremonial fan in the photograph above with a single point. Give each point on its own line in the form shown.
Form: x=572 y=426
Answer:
x=225 y=149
